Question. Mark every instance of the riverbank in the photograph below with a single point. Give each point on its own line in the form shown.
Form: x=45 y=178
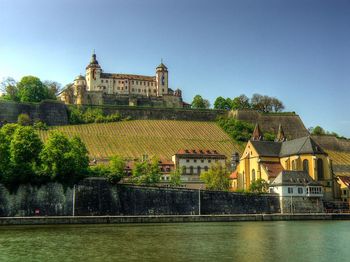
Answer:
x=56 y=220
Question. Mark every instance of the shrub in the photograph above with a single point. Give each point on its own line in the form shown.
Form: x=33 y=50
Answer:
x=24 y=120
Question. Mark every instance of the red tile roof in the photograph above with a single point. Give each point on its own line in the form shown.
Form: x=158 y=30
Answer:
x=272 y=168
x=234 y=175
x=198 y=152
x=345 y=180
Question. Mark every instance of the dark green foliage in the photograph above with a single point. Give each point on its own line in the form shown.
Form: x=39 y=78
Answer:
x=238 y=130
x=79 y=115
x=240 y=102
x=40 y=125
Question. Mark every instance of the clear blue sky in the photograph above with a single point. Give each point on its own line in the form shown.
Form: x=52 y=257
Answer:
x=298 y=51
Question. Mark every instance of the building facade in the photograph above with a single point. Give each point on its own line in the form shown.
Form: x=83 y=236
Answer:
x=98 y=88
x=266 y=159
x=298 y=192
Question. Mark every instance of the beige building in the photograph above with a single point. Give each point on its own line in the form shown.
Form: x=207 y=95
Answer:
x=98 y=87
x=192 y=162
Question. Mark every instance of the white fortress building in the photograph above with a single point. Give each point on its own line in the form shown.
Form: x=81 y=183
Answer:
x=98 y=88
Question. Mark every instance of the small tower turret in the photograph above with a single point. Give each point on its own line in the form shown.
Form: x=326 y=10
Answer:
x=280 y=135
x=257 y=134
x=93 y=74
x=79 y=89
x=162 y=79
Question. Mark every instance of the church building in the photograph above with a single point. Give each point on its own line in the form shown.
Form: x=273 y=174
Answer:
x=267 y=159
x=99 y=88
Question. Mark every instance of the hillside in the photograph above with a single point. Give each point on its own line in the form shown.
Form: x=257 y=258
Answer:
x=153 y=137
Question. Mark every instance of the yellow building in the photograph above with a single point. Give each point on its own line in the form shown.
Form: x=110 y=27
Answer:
x=266 y=159
x=344 y=184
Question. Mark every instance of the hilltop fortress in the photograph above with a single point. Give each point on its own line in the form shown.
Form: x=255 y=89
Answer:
x=100 y=88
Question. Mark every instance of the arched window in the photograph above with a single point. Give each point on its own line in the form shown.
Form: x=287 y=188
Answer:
x=191 y=170
x=306 y=165
x=294 y=165
x=198 y=170
x=320 y=175
x=184 y=170
x=253 y=175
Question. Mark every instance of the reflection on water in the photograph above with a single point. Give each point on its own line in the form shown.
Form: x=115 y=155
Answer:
x=246 y=241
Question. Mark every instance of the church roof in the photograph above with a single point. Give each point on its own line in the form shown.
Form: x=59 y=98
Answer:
x=290 y=177
x=304 y=145
x=267 y=148
x=128 y=76
x=272 y=168
x=257 y=134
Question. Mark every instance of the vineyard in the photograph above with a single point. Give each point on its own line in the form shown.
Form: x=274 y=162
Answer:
x=341 y=162
x=161 y=138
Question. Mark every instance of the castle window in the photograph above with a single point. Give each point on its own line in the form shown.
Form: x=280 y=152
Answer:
x=101 y=80
x=132 y=82
x=106 y=81
x=139 y=90
x=195 y=160
x=187 y=160
x=133 y=89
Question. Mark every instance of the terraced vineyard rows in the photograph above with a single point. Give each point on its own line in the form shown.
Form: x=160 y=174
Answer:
x=162 y=138
x=339 y=158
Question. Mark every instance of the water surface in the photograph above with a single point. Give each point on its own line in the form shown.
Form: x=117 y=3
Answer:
x=246 y=241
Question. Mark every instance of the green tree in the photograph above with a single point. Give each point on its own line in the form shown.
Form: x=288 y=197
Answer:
x=216 y=178
x=4 y=155
x=116 y=169
x=146 y=172
x=175 y=177
x=25 y=148
x=31 y=89
x=240 y=102
x=259 y=186
x=238 y=130
x=65 y=160
x=24 y=120
x=318 y=131
x=53 y=89
x=200 y=103
x=9 y=89
x=222 y=103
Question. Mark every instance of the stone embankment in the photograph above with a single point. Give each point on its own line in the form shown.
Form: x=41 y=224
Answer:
x=6 y=221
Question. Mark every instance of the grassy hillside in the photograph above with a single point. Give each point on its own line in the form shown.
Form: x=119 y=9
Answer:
x=162 y=138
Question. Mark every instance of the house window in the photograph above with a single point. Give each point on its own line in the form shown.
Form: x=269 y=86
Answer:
x=320 y=175
x=191 y=170
x=205 y=168
x=195 y=160
x=209 y=161
x=306 y=165
x=290 y=190
x=187 y=160
x=198 y=170
x=300 y=190
x=253 y=175
x=202 y=161
x=344 y=192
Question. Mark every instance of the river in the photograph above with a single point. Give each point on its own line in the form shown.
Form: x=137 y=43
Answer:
x=236 y=241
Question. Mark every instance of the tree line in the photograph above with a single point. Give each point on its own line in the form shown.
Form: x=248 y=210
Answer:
x=29 y=89
x=261 y=103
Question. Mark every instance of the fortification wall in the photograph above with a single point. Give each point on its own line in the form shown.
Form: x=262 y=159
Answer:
x=51 y=112
x=98 y=197
x=292 y=125
x=333 y=143
x=141 y=113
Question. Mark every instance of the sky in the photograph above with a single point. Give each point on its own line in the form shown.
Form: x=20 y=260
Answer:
x=297 y=51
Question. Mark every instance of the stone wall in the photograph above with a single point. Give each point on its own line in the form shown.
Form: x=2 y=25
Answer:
x=292 y=125
x=301 y=205
x=98 y=197
x=51 y=112
x=142 y=113
x=333 y=143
